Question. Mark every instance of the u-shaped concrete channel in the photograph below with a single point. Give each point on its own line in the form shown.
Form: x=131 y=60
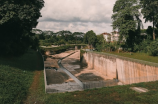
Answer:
x=67 y=72
x=66 y=86
x=78 y=84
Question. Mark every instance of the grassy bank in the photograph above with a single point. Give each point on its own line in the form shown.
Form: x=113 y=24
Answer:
x=108 y=95
x=140 y=56
x=16 y=75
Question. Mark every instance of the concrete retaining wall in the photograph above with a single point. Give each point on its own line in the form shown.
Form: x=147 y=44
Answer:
x=44 y=72
x=126 y=70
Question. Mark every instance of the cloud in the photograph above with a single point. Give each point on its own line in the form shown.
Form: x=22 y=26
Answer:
x=76 y=11
x=77 y=15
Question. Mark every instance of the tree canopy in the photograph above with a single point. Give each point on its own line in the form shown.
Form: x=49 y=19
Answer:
x=17 y=18
x=150 y=12
x=126 y=19
x=90 y=38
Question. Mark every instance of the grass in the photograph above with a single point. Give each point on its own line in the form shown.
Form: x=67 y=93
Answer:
x=16 y=75
x=140 y=56
x=108 y=95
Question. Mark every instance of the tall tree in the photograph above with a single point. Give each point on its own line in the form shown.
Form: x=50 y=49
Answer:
x=150 y=12
x=17 y=18
x=126 y=19
x=90 y=38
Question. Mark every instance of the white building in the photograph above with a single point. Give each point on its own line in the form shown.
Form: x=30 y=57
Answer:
x=107 y=37
x=115 y=36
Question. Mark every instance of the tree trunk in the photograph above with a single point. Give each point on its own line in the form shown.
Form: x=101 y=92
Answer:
x=153 y=29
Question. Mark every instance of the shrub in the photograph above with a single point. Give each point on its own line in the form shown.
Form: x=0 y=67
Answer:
x=153 y=48
x=142 y=47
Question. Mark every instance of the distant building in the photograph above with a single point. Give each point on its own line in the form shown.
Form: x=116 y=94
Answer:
x=115 y=36
x=107 y=36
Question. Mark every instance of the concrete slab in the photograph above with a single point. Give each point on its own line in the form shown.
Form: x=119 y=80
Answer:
x=139 y=89
x=64 y=87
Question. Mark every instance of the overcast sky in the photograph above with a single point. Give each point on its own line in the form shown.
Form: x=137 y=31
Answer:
x=77 y=15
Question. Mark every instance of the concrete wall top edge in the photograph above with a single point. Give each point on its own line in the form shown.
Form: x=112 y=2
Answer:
x=126 y=58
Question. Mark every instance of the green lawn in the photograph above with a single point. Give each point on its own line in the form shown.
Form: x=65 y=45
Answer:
x=16 y=74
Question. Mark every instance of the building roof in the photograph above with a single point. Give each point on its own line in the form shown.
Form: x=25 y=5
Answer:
x=105 y=33
x=115 y=32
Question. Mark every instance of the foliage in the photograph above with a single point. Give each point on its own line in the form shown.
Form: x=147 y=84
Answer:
x=149 y=32
x=60 y=48
x=153 y=48
x=100 y=43
x=142 y=47
x=126 y=20
x=16 y=76
x=48 y=38
x=17 y=18
x=149 y=10
x=90 y=38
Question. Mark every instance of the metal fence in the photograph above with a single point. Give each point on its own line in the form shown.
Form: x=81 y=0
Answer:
x=99 y=84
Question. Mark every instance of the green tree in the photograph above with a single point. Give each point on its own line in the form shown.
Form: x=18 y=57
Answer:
x=153 y=48
x=78 y=37
x=17 y=18
x=150 y=10
x=126 y=19
x=100 y=42
x=90 y=38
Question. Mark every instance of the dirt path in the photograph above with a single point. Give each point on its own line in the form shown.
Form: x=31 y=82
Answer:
x=35 y=82
x=32 y=97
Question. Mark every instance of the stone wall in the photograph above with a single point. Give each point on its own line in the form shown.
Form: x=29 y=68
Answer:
x=126 y=70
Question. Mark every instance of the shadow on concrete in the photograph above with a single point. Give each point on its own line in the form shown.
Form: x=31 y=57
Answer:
x=73 y=62
x=89 y=77
x=54 y=77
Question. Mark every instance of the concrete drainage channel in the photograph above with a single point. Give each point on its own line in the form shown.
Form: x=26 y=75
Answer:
x=76 y=85
x=62 y=87
x=67 y=72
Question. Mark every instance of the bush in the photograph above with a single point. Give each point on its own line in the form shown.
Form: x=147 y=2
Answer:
x=153 y=48
x=142 y=47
